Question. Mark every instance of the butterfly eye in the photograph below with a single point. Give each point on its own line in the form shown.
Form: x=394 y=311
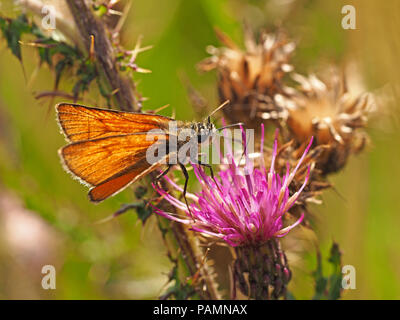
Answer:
x=202 y=137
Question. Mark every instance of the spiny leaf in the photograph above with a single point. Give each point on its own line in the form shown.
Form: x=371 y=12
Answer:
x=328 y=287
x=178 y=290
x=12 y=30
x=335 y=279
x=59 y=56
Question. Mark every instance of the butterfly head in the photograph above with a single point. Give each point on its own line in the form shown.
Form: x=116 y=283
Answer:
x=203 y=130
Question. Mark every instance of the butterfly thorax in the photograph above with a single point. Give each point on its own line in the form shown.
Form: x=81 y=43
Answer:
x=200 y=131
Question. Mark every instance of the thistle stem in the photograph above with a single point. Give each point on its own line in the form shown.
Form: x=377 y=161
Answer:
x=88 y=25
x=182 y=246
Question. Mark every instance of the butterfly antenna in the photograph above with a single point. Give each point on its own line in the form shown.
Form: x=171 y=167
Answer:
x=217 y=109
x=231 y=125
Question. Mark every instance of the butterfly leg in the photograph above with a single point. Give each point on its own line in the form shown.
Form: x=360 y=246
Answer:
x=162 y=174
x=186 y=174
x=211 y=172
x=209 y=167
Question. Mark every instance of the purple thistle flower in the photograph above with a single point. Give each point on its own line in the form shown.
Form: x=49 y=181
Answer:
x=241 y=207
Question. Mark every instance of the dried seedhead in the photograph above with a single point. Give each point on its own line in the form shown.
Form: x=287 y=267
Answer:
x=289 y=154
x=250 y=78
x=327 y=111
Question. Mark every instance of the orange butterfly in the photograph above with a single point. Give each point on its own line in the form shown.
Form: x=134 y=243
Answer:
x=108 y=147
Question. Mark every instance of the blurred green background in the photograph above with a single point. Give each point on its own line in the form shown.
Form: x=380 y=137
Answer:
x=46 y=218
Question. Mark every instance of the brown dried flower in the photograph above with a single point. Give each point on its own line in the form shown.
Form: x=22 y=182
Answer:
x=250 y=78
x=289 y=154
x=327 y=111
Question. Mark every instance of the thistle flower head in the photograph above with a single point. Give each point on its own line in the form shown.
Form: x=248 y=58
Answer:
x=243 y=205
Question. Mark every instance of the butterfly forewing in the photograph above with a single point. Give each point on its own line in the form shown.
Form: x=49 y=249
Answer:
x=80 y=123
x=108 y=149
x=95 y=161
x=121 y=180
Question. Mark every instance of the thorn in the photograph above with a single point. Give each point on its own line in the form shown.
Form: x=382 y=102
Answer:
x=92 y=50
x=115 y=91
x=142 y=70
x=161 y=108
x=124 y=15
x=37 y=44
